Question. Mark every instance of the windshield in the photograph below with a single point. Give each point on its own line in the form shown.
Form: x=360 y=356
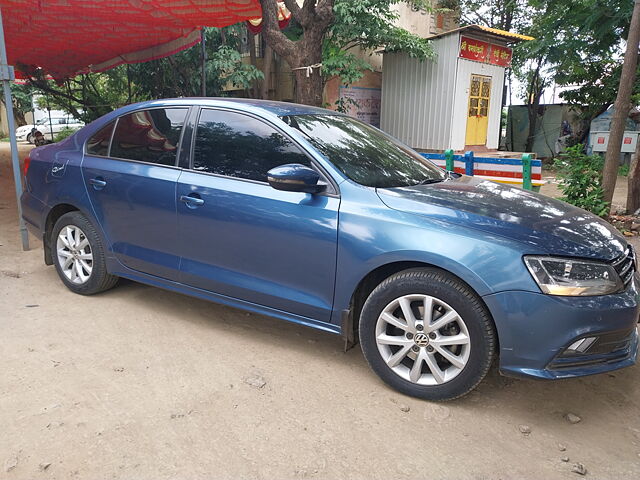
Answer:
x=365 y=154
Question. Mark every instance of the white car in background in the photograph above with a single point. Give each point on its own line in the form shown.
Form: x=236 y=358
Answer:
x=48 y=128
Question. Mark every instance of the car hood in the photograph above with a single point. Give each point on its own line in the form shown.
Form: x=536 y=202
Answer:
x=549 y=225
x=24 y=128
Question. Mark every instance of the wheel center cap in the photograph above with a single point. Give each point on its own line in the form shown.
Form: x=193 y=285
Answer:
x=421 y=339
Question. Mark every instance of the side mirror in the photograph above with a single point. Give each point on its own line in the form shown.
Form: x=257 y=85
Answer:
x=295 y=177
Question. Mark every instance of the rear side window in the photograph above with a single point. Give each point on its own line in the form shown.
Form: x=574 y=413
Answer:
x=99 y=143
x=150 y=136
x=236 y=145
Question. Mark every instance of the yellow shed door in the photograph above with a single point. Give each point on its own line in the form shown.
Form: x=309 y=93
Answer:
x=478 y=114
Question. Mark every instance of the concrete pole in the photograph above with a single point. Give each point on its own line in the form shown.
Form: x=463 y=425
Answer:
x=7 y=77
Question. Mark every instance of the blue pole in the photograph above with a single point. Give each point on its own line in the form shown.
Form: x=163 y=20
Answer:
x=468 y=163
x=7 y=75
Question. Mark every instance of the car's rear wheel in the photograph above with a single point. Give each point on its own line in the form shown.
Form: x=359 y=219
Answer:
x=427 y=334
x=79 y=255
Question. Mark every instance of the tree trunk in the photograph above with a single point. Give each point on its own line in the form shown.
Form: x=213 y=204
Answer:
x=622 y=106
x=535 y=92
x=267 y=63
x=18 y=117
x=633 y=192
x=309 y=82
x=315 y=17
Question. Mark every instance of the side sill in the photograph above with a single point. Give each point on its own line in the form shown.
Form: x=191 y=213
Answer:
x=225 y=300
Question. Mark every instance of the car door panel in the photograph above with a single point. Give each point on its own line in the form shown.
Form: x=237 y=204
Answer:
x=252 y=242
x=242 y=238
x=137 y=211
x=133 y=191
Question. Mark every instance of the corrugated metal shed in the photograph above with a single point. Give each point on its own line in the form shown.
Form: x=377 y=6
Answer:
x=417 y=97
x=426 y=103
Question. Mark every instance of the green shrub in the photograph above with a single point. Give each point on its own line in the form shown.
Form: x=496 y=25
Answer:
x=623 y=171
x=581 y=180
x=62 y=134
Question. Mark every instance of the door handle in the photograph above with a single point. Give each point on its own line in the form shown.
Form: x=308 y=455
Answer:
x=191 y=201
x=98 y=183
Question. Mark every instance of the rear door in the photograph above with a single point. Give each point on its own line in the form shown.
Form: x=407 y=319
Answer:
x=130 y=173
x=244 y=239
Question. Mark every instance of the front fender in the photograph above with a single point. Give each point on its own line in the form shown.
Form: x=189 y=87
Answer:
x=371 y=235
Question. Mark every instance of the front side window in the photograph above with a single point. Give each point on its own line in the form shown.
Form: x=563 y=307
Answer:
x=236 y=145
x=150 y=136
x=363 y=153
x=99 y=143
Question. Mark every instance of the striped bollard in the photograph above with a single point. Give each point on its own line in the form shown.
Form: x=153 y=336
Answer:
x=468 y=163
x=448 y=156
x=526 y=172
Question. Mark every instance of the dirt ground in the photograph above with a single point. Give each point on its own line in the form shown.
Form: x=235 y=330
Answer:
x=140 y=383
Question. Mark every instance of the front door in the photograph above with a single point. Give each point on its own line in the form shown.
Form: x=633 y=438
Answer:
x=132 y=188
x=478 y=111
x=243 y=239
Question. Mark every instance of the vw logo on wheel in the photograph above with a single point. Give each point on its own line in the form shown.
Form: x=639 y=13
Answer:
x=421 y=339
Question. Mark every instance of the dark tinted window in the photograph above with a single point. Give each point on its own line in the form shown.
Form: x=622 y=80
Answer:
x=149 y=135
x=240 y=146
x=99 y=143
x=365 y=154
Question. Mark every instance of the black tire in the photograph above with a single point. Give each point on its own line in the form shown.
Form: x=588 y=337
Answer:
x=446 y=288
x=99 y=279
x=29 y=138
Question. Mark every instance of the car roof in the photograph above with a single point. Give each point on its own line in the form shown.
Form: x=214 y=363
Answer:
x=276 y=108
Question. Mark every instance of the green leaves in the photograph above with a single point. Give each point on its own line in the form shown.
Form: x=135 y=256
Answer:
x=368 y=24
x=577 y=44
x=581 y=180
x=226 y=64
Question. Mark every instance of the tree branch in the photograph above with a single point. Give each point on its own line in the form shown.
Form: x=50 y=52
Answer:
x=42 y=85
x=324 y=12
x=271 y=30
x=295 y=10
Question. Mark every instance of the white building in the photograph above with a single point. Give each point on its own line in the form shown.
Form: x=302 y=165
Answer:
x=453 y=101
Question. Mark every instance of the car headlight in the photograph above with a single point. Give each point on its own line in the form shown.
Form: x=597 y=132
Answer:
x=561 y=276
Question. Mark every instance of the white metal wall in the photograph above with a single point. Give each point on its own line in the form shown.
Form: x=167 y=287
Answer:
x=461 y=101
x=418 y=97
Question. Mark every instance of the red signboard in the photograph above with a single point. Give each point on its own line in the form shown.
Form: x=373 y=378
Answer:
x=627 y=140
x=500 y=55
x=484 y=52
x=473 y=49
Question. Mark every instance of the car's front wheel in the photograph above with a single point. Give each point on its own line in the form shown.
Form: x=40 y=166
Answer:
x=30 y=138
x=79 y=255
x=427 y=334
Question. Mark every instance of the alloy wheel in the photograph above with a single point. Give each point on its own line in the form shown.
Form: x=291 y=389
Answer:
x=422 y=339
x=74 y=254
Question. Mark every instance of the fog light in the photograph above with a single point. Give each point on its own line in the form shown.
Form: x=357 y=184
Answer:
x=581 y=345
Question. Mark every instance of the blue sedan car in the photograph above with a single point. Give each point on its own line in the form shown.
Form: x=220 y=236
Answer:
x=314 y=217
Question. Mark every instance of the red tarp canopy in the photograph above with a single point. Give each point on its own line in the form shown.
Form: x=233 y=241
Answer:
x=66 y=37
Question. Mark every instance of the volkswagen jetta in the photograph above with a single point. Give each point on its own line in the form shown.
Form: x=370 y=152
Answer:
x=317 y=218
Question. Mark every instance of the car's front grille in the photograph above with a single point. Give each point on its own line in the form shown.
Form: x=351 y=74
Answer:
x=625 y=266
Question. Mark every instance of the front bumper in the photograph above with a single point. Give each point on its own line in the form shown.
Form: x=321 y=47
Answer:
x=535 y=331
x=22 y=137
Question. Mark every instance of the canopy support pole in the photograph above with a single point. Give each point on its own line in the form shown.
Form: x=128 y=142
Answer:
x=7 y=76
